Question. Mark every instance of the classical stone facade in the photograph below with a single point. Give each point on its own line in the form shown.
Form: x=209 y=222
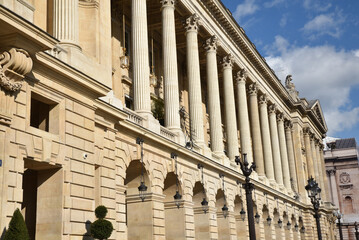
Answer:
x=342 y=169
x=82 y=80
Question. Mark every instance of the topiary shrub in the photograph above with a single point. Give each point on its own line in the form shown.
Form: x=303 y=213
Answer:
x=101 y=228
x=17 y=228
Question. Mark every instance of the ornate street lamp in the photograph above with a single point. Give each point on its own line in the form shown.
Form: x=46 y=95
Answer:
x=269 y=220
x=142 y=189
x=302 y=229
x=280 y=223
x=242 y=212
x=313 y=190
x=246 y=170
x=356 y=231
x=204 y=202
x=339 y=216
x=296 y=227
x=257 y=217
x=177 y=197
x=288 y=223
x=224 y=208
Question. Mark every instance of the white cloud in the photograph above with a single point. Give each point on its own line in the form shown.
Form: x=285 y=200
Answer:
x=325 y=24
x=248 y=7
x=316 y=5
x=273 y=3
x=323 y=73
x=283 y=20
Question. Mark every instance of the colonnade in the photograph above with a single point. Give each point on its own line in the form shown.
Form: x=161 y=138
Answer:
x=265 y=130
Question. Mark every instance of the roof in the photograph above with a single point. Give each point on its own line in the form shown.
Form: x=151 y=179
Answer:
x=345 y=143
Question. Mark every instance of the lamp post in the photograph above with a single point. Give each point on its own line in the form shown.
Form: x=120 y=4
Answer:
x=224 y=208
x=339 y=216
x=248 y=187
x=313 y=190
x=142 y=189
x=356 y=231
x=242 y=212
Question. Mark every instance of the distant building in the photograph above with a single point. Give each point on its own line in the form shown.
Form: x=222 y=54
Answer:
x=341 y=161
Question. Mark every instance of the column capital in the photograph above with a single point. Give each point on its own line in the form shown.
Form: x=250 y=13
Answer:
x=280 y=117
x=288 y=125
x=192 y=23
x=263 y=99
x=321 y=147
x=316 y=141
x=227 y=61
x=312 y=136
x=241 y=76
x=168 y=3
x=307 y=131
x=272 y=108
x=211 y=44
x=331 y=172
x=253 y=89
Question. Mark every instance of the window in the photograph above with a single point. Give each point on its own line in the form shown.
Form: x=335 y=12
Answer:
x=128 y=102
x=348 y=205
x=44 y=114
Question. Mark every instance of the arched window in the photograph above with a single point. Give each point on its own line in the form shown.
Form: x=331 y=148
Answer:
x=348 y=205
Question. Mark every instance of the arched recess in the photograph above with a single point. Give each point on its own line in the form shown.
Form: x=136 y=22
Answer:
x=201 y=219
x=267 y=227
x=222 y=222
x=174 y=216
x=278 y=229
x=348 y=205
x=257 y=225
x=294 y=229
x=287 y=231
x=301 y=230
x=241 y=225
x=139 y=214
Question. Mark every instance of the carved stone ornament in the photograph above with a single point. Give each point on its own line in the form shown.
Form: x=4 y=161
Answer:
x=168 y=3
x=211 y=44
x=289 y=85
x=280 y=117
x=263 y=99
x=306 y=131
x=14 y=64
x=192 y=23
x=288 y=124
x=272 y=109
x=241 y=75
x=344 y=178
x=227 y=61
x=253 y=89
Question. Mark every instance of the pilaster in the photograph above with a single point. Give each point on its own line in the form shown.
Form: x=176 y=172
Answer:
x=308 y=152
x=288 y=125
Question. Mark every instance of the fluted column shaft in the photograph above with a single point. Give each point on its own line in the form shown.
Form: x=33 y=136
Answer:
x=308 y=153
x=324 y=174
x=275 y=144
x=320 y=170
x=66 y=21
x=315 y=161
x=230 y=110
x=214 y=105
x=267 y=146
x=283 y=151
x=242 y=113
x=291 y=157
x=170 y=72
x=141 y=71
x=256 y=129
x=194 y=79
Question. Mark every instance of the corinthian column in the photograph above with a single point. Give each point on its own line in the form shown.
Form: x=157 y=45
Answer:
x=256 y=129
x=320 y=170
x=213 y=96
x=288 y=125
x=194 y=78
x=267 y=146
x=275 y=144
x=66 y=21
x=242 y=114
x=324 y=175
x=170 y=73
x=308 y=152
x=231 y=121
x=141 y=70
x=283 y=151
x=314 y=157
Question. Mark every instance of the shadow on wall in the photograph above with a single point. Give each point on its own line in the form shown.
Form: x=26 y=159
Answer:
x=87 y=235
x=3 y=234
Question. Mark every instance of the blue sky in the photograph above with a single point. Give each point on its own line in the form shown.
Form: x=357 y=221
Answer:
x=317 y=41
